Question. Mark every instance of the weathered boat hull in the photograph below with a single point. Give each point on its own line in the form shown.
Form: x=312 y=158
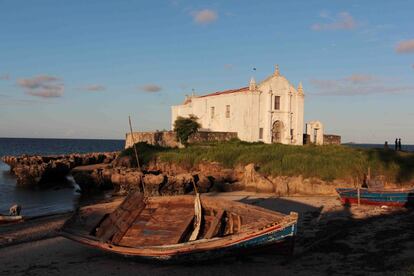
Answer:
x=402 y=198
x=272 y=240
x=149 y=236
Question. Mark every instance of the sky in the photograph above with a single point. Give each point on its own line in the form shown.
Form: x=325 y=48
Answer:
x=78 y=69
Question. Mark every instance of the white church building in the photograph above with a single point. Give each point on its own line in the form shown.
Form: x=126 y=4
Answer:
x=271 y=111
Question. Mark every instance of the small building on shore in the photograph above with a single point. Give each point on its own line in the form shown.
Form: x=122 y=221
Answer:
x=315 y=134
x=271 y=111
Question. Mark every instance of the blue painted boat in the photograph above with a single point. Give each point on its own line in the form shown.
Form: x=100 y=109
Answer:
x=158 y=228
x=396 y=197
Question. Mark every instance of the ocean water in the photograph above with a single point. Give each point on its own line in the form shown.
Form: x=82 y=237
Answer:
x=390 y=146
x=44 y=201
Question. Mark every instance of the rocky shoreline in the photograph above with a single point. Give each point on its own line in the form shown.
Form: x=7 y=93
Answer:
x=95 y=172
x=42 y=171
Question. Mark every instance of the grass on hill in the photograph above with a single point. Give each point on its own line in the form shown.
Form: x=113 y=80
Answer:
x=325 y=162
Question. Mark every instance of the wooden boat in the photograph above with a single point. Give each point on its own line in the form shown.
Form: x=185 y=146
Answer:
x=9 y=219
x=396 y=197
x=159 y=228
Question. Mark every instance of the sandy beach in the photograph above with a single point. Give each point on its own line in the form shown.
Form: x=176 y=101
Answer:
x=331 y=240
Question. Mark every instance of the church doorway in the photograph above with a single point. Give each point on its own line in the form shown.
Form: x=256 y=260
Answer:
x=277 y=132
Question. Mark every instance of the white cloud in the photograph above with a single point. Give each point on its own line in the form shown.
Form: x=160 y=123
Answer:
x=42 y=86
x=356 y=85
x=405 y=47
x=95 y=87
x=151 y=88
x=360 y=78
x=342 y=21
x=324 y=84
x=205 y=16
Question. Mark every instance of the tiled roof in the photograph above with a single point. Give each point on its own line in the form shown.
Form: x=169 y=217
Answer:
x=231 y=91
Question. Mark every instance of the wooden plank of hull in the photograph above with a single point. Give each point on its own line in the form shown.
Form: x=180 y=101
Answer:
x=119 y=221
x=166 y=226
x=127 y=220
x=213 y=229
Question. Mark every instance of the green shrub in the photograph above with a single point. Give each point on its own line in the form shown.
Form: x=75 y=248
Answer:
x=185 y=127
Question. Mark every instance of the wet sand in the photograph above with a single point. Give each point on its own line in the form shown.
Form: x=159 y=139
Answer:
x=332 y=240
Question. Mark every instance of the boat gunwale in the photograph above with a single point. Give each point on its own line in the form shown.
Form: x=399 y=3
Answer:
x=375 y=191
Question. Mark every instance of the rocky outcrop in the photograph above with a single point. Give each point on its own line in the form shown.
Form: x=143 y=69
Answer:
x=255 y=182
x=178 y=184
x=92 y=178
x=41 y=171
x=125 y=180
x=207 y=178
x=153 y=184
x=124 y=161
x=289 y=185
x=100 y=171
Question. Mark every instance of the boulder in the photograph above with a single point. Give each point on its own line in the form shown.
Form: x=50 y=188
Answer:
x=297 y=185
x=203 y=183
x=177 y=184
x=124 y=161
x=125 y=180
x=216 y=172
x=92 y=178
x=153 y=184
x=255 y=182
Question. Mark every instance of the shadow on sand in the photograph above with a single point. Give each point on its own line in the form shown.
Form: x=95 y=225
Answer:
x=331 y=240
x=346 y=238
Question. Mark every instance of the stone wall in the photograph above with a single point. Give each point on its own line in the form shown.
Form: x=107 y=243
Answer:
x=329 y=139
x=161 y=138
x=167 y=138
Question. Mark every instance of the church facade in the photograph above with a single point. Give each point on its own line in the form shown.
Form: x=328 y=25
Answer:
x=271 y=111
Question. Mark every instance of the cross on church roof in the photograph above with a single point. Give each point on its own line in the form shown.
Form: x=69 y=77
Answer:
x=276 y=70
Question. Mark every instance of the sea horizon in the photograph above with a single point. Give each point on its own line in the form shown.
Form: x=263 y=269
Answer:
x=57 y=138
x=123 y=139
